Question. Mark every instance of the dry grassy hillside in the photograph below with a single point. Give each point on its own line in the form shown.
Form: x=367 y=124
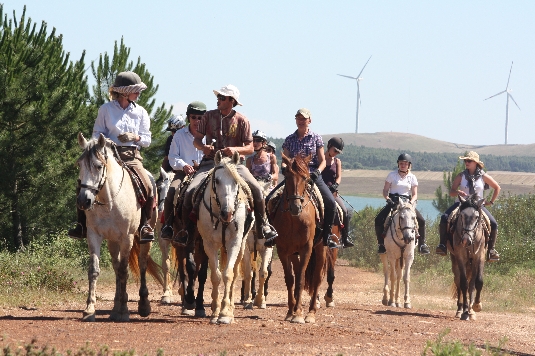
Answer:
x=410 y=142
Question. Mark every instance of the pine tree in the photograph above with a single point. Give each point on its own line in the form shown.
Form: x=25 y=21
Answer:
x=105 y=72
x=43 y=99
x=444 y=200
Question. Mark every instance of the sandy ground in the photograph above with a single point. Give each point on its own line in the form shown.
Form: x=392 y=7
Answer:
x=358 y=325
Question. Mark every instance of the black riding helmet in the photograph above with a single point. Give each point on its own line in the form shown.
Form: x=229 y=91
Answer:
x=405 y=157
x=337 y=143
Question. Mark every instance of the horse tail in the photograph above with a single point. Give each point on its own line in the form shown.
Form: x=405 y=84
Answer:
x=154 y=269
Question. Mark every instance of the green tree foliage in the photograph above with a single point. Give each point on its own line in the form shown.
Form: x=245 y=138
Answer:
x=42 y=105
x=105 y=72
x=444 y=200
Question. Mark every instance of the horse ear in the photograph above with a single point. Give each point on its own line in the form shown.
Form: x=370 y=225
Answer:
x=82 y=141
x=235 y=157
x=480 y=202
x=461 y=199
x=163 y=173
x=308 y=159
x=101 y=141
x=217 y=158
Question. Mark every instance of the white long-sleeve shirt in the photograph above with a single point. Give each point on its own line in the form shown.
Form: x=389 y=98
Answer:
x=182 y=151
x=112 y=120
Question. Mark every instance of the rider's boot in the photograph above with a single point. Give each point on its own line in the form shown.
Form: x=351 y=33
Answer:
x=492 y=254
x=327 y=240
x=379 y=232
x=346 y=240
x=167 y=229
x=182 y=237
x=443 y=232
x=264 y=230
x=146 y=232
x=422 y=246
x=80 y=230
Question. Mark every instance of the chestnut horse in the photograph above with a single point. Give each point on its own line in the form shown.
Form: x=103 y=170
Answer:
x=468 y=256
x=295 y=221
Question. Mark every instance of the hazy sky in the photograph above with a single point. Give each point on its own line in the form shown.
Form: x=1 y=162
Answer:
x=433 y=64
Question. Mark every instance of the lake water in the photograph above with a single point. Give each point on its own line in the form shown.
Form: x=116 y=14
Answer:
x=425 y=207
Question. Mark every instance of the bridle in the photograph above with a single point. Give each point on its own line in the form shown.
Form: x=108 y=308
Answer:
x=399 y=226
x=301 y=197
x=468 y=232
x=214 y=196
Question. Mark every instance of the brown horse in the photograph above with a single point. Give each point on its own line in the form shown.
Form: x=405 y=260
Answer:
x=295 y=221
x=468 y=256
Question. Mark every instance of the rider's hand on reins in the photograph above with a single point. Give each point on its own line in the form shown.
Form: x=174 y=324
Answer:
x=127 y=137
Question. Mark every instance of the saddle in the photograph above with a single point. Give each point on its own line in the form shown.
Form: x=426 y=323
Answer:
x=389 y=218
x=140 y=190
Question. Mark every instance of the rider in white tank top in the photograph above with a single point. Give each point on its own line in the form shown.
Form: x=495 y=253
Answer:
x=479 y=186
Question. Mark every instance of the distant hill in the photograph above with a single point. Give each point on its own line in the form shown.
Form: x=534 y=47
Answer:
x=417 y=143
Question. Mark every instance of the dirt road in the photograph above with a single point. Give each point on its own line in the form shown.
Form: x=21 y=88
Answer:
x=358 y=325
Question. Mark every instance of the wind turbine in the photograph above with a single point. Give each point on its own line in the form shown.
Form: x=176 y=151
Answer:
x=358 y=79
x=508 y=91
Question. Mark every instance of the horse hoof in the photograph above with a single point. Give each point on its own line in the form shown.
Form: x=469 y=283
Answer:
x=262 y=306
x=330 y=305
x=310 y=319
x=166 y=300
x=477 y=307
x=298 y=320
x=213 y=320
x=188 y=312
x=392 y=304
x=398 y=305
x=190 y=305
x=458 y=314
x=89 y=317
x=385 y=302
x=472 y=316
x=248 y=306
x=407 y=306
x=465 y=316
x=200 y=313
x=119 y=317
x=225 y=320
x=289 y=317
x=144 y=310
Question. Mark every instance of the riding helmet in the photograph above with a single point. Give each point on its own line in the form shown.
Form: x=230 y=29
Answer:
x=196 y=108
x=175 y=123
x=260 y=134
x=272 y=145
x=405 y=157
x=337 y=143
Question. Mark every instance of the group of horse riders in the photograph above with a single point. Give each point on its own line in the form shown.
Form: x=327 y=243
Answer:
x=191 y=148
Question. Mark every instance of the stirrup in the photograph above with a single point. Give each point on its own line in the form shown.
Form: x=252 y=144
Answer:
x=181 y=238
x=167 y=233
x=270 y=242
x=346 y=242
x=424 y=249
x=271 y=234
x=329 y=242
x=146 y=234
x=78 y=233
x=493 y=256
x=441 y=250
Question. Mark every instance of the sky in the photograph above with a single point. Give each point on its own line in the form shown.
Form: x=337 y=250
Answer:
x=433 y=62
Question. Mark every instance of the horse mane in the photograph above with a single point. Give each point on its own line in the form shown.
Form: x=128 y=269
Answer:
x=470 y=202
x=231 y=167
x=298 y=165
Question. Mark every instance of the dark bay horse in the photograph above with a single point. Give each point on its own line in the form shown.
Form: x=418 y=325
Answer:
x=295 y=221
x=468 y=256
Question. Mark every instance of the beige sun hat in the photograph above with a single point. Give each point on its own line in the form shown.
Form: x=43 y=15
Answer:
x=305 y=112
x=472 y=155
x=229 y=90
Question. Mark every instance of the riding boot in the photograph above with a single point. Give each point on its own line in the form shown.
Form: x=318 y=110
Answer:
x=346 y=240
x=379 y=232
x=80 y=230
x=327 y=240
x=443 y=231
x=146 y=232
x=183 y=236
x=422 y=246
x=266 y=231
x=492 y=254
x=167 y=229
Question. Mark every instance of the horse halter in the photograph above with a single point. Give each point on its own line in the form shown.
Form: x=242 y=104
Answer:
x=236 y=201
x=102 y=179
x=468 y=232
x=400 y=227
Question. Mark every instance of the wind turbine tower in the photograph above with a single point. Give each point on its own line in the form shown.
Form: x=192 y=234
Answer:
x=358 y=79
x=508 y=91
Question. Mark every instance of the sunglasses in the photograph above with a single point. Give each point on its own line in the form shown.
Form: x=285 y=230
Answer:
x=257 y=140
x=468 y=161
x=195 y=117
x=223 y=98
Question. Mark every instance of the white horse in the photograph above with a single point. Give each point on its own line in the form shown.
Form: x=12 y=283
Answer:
x=250 y=266
x=108 y=198
x=168 y=254
x=221 y=223
x=400 y=241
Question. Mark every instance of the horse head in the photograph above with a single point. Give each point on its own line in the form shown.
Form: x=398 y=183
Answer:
x=469 y=219
x=225 y=185
x=93 y=170
x=296 y=177
x=162 y=186
x=406 y=221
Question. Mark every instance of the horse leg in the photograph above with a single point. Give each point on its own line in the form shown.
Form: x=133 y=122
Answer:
x=457 y=284
x=289 y=281
x=328 y=297
x=319 y=256
x=143 y=307
x=464 y=291
x=409 y=257
x=189 y=298
x=386 y=273
x=302 y=262
x=230 y=274
x=247 y=277
x=166 y=267
x=477 y=307
x=215 y=276
x=201 y=276
x=263 y=276
x=120 y=265
x=92 y=276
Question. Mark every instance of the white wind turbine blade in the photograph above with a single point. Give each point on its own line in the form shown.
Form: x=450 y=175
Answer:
x=358 y=76
x=513 y=101
x=507 y=86
x=347 y=76
x=496 y=95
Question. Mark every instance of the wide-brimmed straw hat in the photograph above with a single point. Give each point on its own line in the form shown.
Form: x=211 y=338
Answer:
x=229 y=90
x=127 y=83
x=472 y=155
